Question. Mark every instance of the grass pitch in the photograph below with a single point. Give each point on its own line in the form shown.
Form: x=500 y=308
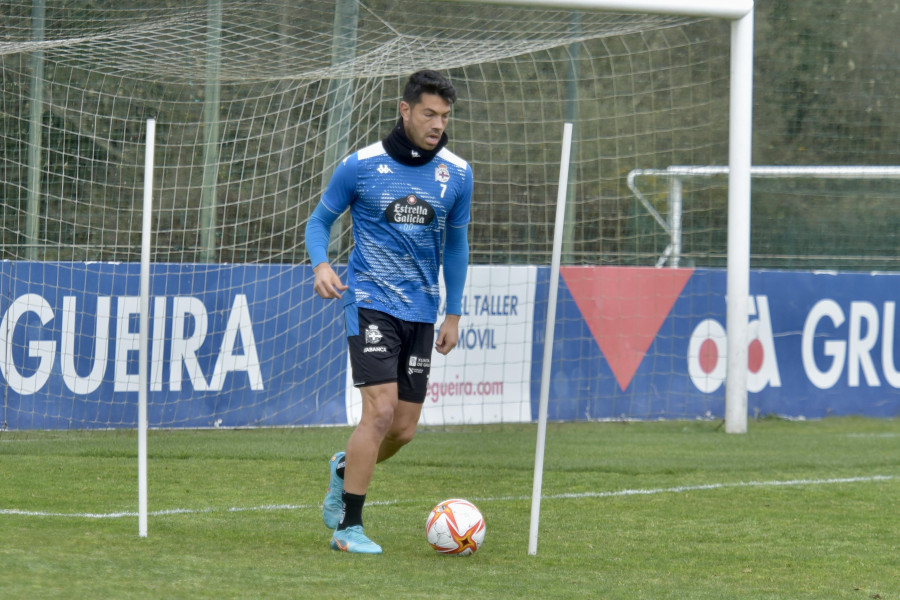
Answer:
x=790 y=510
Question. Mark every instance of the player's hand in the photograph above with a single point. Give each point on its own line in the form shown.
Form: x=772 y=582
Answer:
x=448 y=334
x=327 y=283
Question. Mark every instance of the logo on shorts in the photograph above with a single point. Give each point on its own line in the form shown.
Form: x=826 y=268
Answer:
x=373 y=334
x=415 y=361
x=417 y=365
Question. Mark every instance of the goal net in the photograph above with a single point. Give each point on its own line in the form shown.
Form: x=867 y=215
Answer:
x=255 y=103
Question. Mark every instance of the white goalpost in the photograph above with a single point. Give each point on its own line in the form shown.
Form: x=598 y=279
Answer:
x=144 y=341
x=738 y=278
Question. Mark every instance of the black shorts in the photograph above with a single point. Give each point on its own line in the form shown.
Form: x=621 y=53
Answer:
x=385 y=349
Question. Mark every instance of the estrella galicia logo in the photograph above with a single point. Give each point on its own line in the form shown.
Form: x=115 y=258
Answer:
x=409 y=210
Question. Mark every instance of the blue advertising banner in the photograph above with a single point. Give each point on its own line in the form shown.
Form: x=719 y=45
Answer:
x=252 y=345
x=646 y=343
x=230 y=346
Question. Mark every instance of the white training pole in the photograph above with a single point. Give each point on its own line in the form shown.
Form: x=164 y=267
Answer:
x=548 y=338
x=144 y=337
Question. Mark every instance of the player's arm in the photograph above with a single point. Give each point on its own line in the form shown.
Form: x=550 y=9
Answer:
x=456 y=264
x=327 y=284
x=335 y=200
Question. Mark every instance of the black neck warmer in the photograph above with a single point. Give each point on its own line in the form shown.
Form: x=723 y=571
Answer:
x=401 y=148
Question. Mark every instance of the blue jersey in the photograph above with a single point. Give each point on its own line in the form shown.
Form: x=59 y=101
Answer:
x=399 y=215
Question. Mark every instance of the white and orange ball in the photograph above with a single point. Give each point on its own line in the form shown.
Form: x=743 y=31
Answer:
x=455 y=526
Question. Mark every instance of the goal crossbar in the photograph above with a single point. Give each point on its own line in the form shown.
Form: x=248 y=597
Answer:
x=726 y=9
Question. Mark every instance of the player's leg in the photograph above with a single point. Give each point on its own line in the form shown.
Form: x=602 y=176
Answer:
x=403 y=428
x=374 y=343
x=379 y=402
x=365 y=340
x=351 y=471
x=378 y=413
x=413 y=370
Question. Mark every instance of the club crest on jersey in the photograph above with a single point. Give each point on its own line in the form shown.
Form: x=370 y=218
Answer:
x=442 y=174
x=409 y=210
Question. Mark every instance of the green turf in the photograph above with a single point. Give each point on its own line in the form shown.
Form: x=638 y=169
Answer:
x=791 y=510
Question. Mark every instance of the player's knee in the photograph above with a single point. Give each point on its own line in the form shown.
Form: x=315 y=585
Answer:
x=403 y=436
x=382 y=419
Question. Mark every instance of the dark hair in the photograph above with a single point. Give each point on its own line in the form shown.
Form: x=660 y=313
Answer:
x=428 y=82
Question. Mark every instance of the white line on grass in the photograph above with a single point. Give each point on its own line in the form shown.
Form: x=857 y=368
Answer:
x=645 y=492
x=719 y=486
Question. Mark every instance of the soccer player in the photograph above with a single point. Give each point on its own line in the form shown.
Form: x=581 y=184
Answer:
x=410 y=200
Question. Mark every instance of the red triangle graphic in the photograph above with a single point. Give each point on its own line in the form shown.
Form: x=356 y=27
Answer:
x=624 y=307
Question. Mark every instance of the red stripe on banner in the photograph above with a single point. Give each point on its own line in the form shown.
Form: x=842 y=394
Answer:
x=624 y=307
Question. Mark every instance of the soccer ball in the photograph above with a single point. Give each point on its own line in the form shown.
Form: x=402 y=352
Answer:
x=455 y=526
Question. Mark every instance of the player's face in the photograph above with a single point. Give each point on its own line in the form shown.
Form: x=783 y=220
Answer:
x=426 y=120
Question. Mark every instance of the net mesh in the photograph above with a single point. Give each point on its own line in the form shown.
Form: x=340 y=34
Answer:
x=297 y=86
